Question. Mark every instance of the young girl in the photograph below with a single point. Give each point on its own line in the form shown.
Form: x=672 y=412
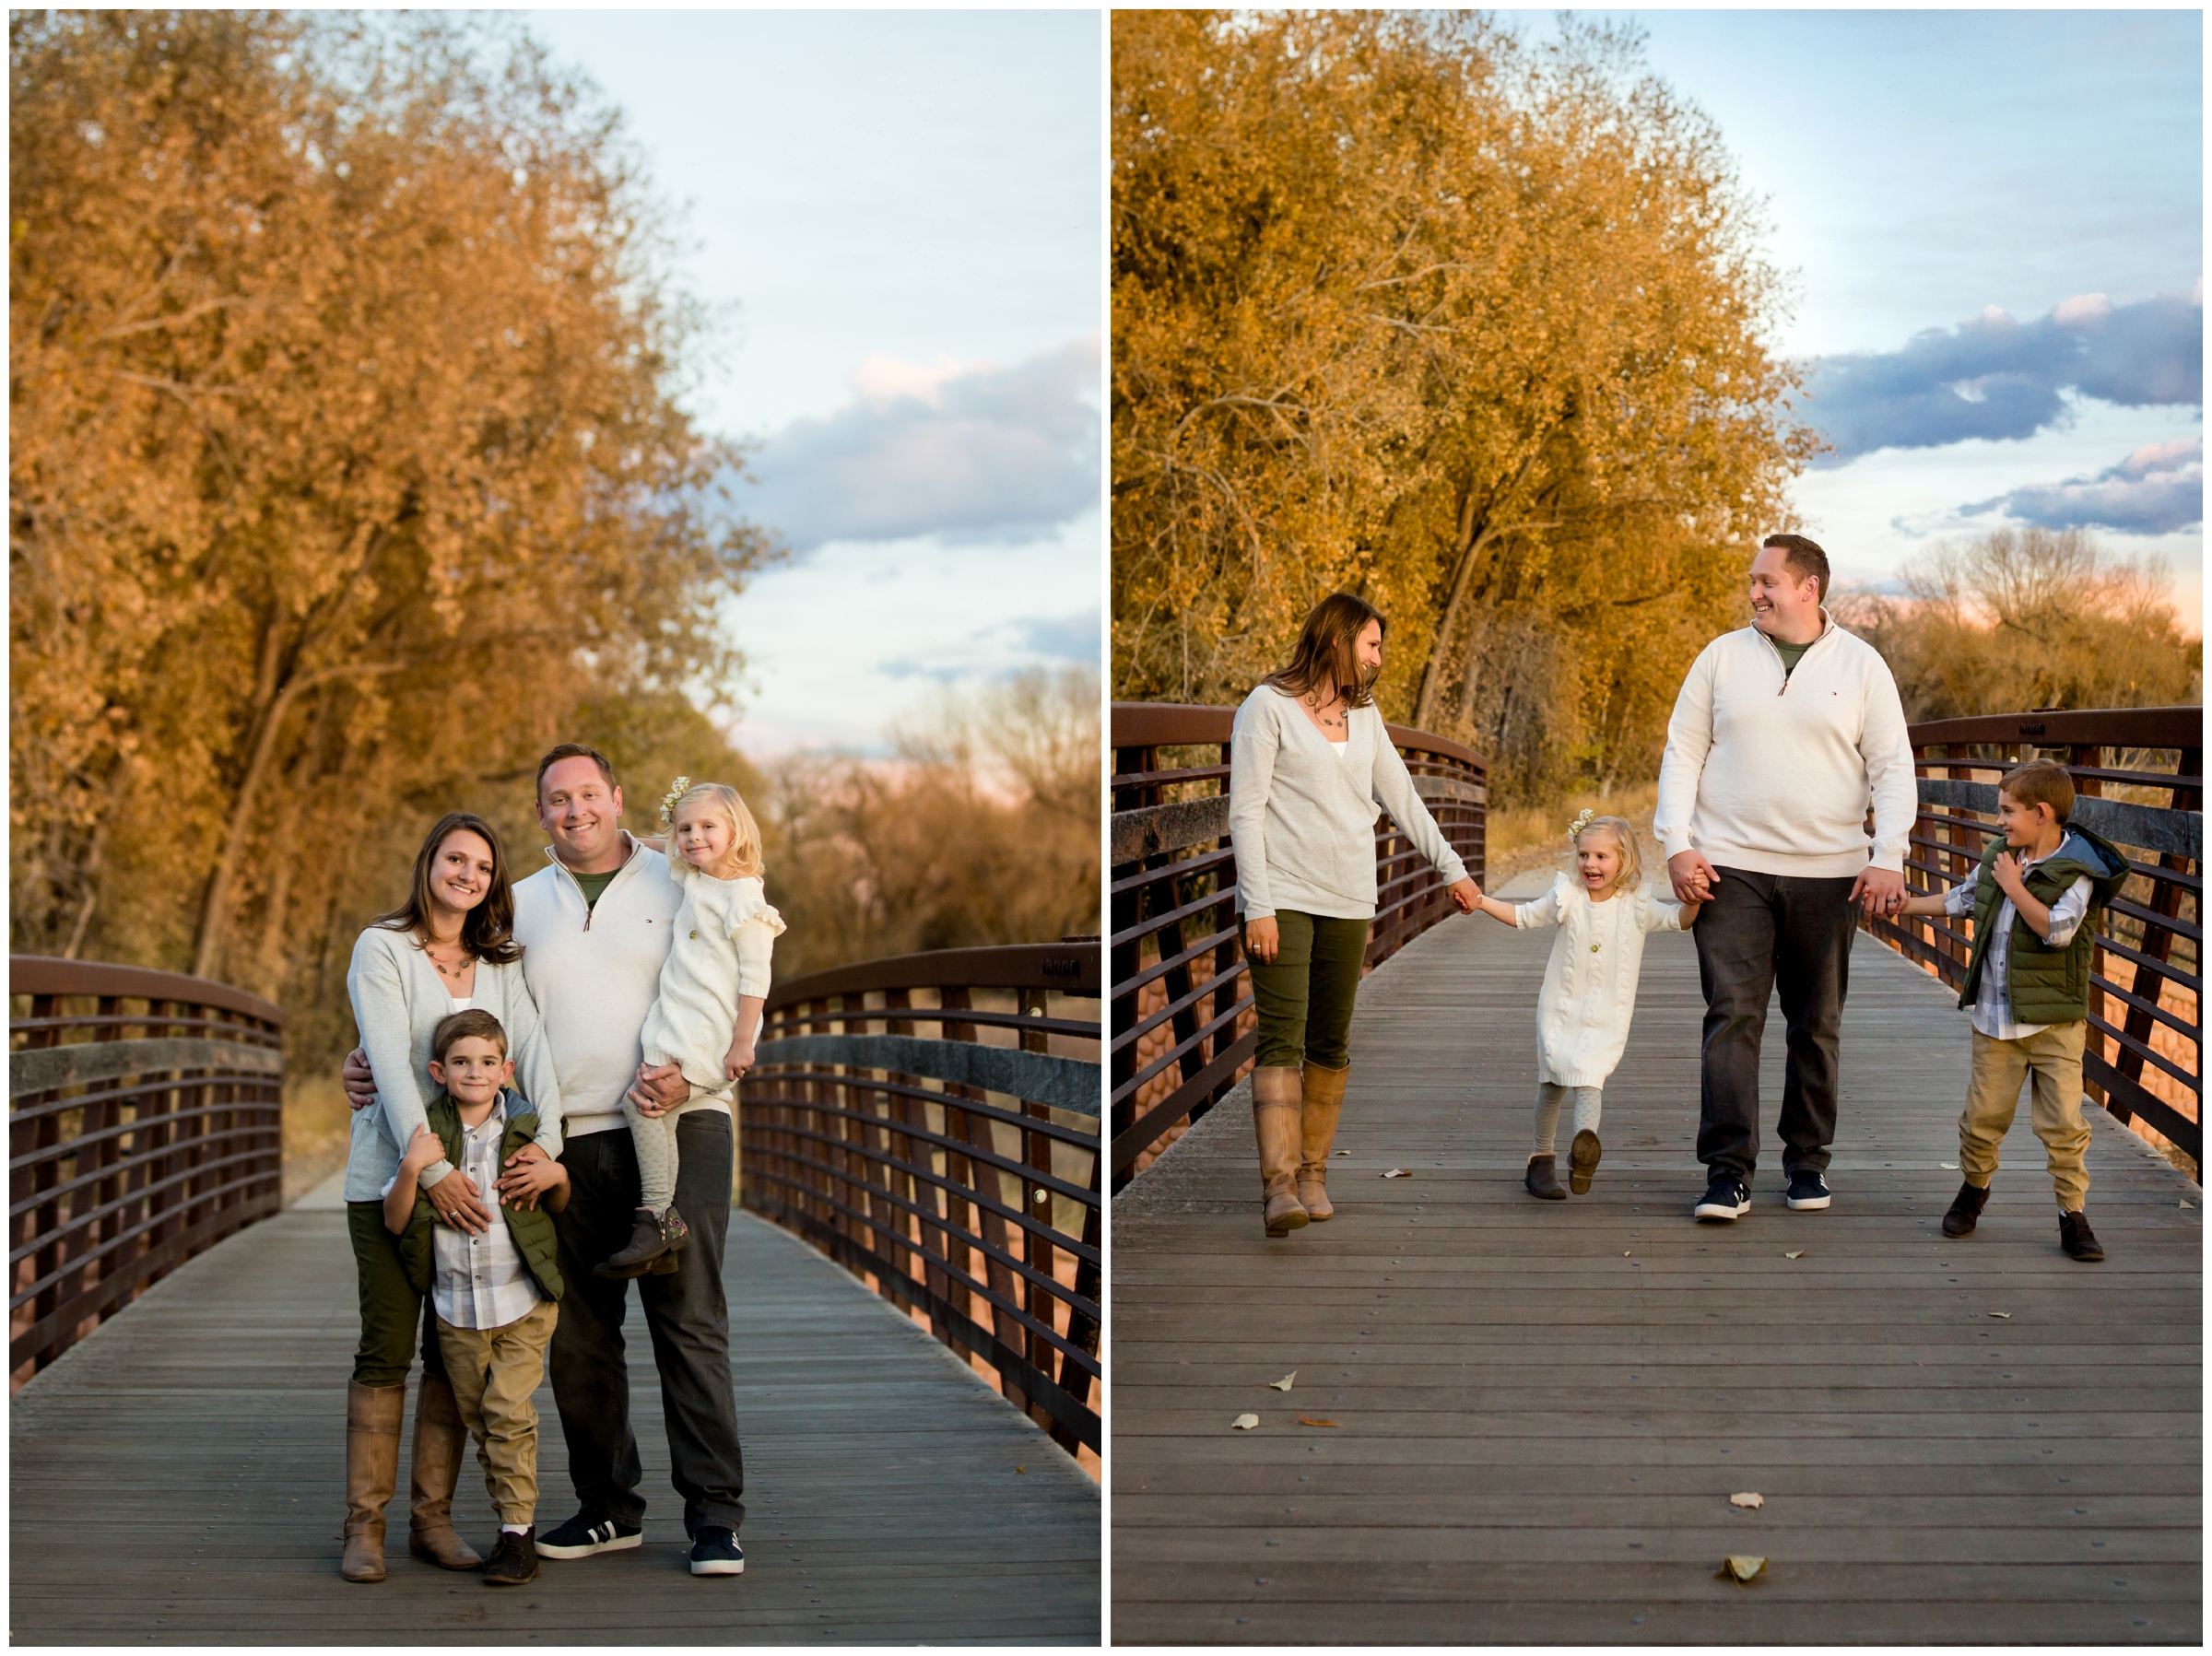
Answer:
x=712 y=988
x=1589 y=991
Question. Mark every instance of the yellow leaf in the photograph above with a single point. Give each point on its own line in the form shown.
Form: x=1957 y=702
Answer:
x=1397 y=1173
x=1243 y=1423
x=1797 y=1253
x=1284 y=1384
x=1309 y=1420
x=1748 y=1497
x=1740 y=1569
x=2006 y=1315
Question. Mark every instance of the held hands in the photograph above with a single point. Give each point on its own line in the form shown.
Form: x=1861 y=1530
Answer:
x=531 y=1174
x=658 y=1088
x=1878 y=891
x=1466 y=894
x=1693 y=878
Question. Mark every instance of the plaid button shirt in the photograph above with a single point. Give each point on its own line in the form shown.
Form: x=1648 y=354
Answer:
x=1992 y=1001
x=482 y=1280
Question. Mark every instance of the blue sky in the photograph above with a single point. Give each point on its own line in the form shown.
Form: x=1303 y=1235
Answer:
x=1994 y=222
x=896 y=216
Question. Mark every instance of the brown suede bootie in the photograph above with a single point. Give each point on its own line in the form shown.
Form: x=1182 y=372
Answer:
x=1321 y=1102
x=439 y=1438
x=1275 y=1121
x=373 y=1414
x=1543 y=1178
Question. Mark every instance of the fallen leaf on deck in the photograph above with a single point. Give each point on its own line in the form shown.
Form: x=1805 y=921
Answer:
x=1021 y=1468
x=1340 y=1153
x=1243 y=1423
x=1624 y=1254
x=1284 y=1384
x=1952 y=1165
x=1747 y=1499
x=1740 y=1570
x=2186 y=1203
x=1309 y=1420
x=1799 y=1254
x=2006 y=1315
x=1397 y=1173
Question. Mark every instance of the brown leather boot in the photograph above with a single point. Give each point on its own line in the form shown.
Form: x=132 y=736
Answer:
x=1543 y=1178
x=373 y=1414
x=439 y=1439
x=1275 y=1121
x=1321 y=1101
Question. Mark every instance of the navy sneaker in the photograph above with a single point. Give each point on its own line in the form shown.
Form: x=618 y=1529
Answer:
x=716 y=1552
x=1725 y=1198
x=584 y=1534
x=1807 y=1190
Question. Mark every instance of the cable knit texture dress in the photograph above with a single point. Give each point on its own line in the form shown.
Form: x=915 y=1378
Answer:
x=725 y=934
x=1589 y=993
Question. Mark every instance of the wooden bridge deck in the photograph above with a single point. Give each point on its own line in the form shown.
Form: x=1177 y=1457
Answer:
x=1542 y=1408
x=179 y=1478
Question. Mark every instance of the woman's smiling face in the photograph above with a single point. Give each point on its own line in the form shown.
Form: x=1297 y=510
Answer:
x=702 y=834
x=461 y=872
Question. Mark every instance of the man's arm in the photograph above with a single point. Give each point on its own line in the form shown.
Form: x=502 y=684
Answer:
x=1688 y=740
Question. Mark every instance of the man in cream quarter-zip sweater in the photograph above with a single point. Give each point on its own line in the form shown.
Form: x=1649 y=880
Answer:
x=1784 y=734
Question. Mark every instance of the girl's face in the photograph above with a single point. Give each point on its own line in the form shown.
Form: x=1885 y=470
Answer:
x=702 y=834
x=461 y=870
x=1597 y=859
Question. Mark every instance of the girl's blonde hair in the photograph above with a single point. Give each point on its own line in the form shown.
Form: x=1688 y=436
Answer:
x=1631 y=855
x=745 y=833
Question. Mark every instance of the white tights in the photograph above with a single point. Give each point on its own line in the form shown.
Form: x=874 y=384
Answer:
x=1588 y=1103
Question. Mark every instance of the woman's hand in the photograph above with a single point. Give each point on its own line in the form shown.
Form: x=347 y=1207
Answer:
x=1262 y=939
x=459 y=1204
x=529 y=1177
x=738 y=1059
x=360 y=1085
x=659 y=1088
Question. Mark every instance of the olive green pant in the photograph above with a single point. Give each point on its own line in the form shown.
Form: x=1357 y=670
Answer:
x=2052 y=1058
x=1304 y=997
x=395 y=1319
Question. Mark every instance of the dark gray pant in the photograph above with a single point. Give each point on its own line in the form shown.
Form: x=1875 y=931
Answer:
x=1764 y=933
x=685 y=1315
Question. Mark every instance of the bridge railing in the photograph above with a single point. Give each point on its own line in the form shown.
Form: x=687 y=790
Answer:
x=1182 y=1029
x=2138 y=779
x=144 y=1125
x=931 y=1121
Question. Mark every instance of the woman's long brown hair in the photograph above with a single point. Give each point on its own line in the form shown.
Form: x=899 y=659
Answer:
x=1328 y=651
x=487 y=930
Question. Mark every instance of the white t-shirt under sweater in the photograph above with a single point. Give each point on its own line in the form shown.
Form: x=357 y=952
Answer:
x=1303 y=809
x=1772 y=773
x=595 y=970
x=1589 y=993
x=723 y=937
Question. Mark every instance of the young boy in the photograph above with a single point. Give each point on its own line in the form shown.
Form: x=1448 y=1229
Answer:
x=496 y=1293
x=2034 y=904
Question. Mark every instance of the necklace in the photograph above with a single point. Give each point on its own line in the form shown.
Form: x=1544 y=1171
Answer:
x=1335 y=723
x=454 y=970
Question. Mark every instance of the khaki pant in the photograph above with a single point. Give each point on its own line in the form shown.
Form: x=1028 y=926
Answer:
x=2053 y=1059
x=494 y=1370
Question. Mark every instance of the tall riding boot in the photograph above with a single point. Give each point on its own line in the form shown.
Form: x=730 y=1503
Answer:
x=371 y=1469
x=1275 y=1118
x=439 y=1439
x=1322 y=1101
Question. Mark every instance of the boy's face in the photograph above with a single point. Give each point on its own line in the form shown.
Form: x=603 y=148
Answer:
x=474 y=1071
x=2023 y=824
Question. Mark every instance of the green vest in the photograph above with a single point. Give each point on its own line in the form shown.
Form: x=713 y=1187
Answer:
x=532 y=1228
x=2045 y=985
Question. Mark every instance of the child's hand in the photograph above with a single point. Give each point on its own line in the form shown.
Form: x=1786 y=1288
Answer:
x=525 y=1181
x=738 y=1059
x=2007 y=872
x=422 y=1149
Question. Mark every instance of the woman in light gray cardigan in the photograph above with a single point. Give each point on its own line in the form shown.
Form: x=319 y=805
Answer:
x=448 y=948
x=1310 y=761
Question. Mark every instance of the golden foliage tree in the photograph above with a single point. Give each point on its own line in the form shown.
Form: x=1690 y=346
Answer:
x=1477 y=330
x=2025 y=618
x=347 y=469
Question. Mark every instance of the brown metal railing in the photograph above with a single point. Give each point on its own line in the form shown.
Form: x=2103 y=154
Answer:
x=144 y=1125
x=2138 y=777
x=957 y=1170
x=1183 y=1030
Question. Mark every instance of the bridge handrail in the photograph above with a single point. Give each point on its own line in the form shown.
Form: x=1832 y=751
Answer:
x=2144 y=1058
x=144 y=1125
x=957 y=1173
x=1173 y=910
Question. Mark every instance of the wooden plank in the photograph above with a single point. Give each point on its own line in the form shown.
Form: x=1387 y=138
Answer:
x=1541 y=1407
x=890 y=1495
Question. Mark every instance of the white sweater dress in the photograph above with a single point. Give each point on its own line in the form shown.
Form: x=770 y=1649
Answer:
x=720 y=947
x=1589 y=993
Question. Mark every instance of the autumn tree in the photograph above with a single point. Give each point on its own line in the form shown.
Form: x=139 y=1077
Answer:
x=2024 y=618
x=347 y=468
x=1478 y=330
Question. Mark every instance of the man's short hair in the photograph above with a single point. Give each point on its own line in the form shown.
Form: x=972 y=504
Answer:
x=2041 y=782
x=574 y=750
x=1801 y=558
x=460 y=1026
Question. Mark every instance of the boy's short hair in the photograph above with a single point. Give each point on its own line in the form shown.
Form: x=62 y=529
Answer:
x=1801 y=558
x=460 y=1026
x=2041 y=782
x=575 y=751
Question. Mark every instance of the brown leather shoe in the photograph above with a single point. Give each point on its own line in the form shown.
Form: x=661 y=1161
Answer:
x=1582 y=1162
x=1543 y=1178
x=439 y=1439
x=2075 y=1237
x=514 y=1559
x=1274 y=1121
x=1321 y=1101
x=373 y=1414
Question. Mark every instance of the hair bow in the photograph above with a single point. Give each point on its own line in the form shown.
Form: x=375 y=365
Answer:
x=677 y=790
